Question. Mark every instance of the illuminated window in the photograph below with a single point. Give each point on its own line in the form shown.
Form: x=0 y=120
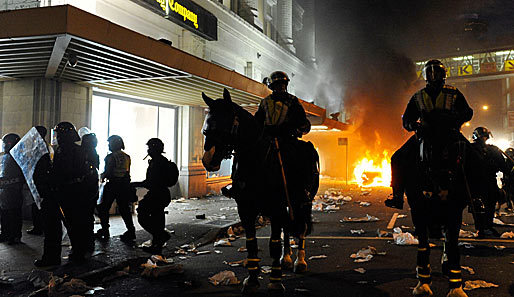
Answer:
x=135 y=122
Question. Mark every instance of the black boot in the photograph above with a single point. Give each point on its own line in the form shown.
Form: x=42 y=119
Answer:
x=102 y=234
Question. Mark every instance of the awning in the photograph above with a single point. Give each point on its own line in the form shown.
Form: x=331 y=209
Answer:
x=41 y=42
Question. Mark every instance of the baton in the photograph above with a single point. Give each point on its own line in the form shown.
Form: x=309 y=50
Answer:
x=291 y=216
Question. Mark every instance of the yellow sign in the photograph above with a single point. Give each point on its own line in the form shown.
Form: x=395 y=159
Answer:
x=178 y=8
x=465 y=70
x=419 y=74
x=509 y=65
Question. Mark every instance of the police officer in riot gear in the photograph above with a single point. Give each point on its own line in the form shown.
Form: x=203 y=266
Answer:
x=69 y=171
x=117 y=173
x=436 y=113
x=508 y=179
x=284 y=120
x=88 y=144
x=51 y=214
x=160 y=175
x=11 y=197
x=493 y=162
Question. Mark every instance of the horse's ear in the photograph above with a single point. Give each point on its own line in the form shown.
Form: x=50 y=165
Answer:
x=226 y=95
x=207 y=100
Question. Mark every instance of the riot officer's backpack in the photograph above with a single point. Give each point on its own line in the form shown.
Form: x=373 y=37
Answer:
x=172 y=173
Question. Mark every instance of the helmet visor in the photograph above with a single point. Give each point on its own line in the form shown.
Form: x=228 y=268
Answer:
x=434 y=72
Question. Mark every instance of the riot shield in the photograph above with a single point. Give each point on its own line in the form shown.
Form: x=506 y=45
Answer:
x=27 y=153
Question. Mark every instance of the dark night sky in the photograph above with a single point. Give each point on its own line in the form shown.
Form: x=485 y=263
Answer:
x=366 y=49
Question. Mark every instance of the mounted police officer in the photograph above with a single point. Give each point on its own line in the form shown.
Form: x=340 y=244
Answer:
x=69 y=171
x=493 y=162
x=117 y=173
x=11 y=196
x=160 y=175
x=284 y=120
x=436 y=113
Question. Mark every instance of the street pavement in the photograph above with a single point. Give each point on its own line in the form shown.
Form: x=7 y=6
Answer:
x=392 y=274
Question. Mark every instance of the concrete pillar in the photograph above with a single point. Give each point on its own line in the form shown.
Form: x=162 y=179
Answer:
x=249 y=11
x=26 y=103
x=285 y=23
x=192 y=179
x=309 y=32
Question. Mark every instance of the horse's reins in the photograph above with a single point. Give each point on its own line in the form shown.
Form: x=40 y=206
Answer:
x=291 y=216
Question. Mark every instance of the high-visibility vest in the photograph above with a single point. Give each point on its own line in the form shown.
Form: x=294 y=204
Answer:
x=445 y=100
x=276 y=110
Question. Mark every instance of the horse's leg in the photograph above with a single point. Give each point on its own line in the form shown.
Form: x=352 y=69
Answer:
x=275 y=249
x=423 y=271
x=300 y=265
x=251 y=283
x=451 y=249
x=286 y=261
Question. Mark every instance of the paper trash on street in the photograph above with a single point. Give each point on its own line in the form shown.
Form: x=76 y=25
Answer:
x=360 y=270
x=467 y=234
x=364 y=203
x=403 y=238
x=366 y=218
x=365 y=254
x=476 y=284
x=507 y=235
x=222 y=242
x=318 y=257
x=226 y=278
x=359 y=231
x=468 y=269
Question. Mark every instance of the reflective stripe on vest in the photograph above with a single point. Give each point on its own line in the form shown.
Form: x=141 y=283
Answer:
x=276 y=111
x=445 y=100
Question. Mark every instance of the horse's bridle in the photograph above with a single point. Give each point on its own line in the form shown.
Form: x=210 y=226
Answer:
x=226 y=137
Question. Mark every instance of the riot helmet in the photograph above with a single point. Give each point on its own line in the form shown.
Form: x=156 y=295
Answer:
x=510 y=152
x=434 y=72
x=481 y=134
x=276 y=78
x=155 y=147
x=42 y=131
x=9 y=141
x=115 y=143
x=66 y=133
x=89 y=141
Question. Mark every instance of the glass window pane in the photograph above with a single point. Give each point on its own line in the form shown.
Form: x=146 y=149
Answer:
x=225 y=169
x=167 y=130
x=135 y=123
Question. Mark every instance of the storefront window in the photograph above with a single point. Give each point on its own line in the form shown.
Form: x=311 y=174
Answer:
x=135 y=122
x=225 y=170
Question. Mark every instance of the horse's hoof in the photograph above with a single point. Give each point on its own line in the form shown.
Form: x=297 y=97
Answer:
x=457 y=292
x=300 y=266
x=250 y=286
x=276 y=288
x=422 y=290
x=286 y=262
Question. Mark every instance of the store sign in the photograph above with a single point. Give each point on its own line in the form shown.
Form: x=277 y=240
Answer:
x=186 y=14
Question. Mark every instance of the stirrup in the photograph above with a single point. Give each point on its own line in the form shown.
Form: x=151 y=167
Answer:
x=422 y=290
x=250 y=286
x=457 y=292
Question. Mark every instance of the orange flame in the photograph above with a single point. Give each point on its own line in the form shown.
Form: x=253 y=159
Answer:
x=373 y=172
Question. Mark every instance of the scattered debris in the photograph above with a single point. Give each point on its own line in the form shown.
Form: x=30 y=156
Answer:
x=366 y=254
x=401 y=216
x=365 y=193
x=364 y=203
x=39 y=278
x=467 y=234
x=226 y=278
x=476 y=284
x=362 y=282
x=325 y=246
x=332 y=207
x=507 y=235
x=359 y=231
x=236 y=263
x=57 y=287
x=203 y=252
x=381 y=233
x=360 y=270
x=218 y=252
x=93 y=290
x=347 y=198
x=242 y=249
x=468 y=269
x=222 y=242
x=498 y=222
x=403 y=238
x=266 y=269
x=500 y=247
x=366 y=218
x=301 y=291
x=466 y=245
x=317 y=257
x=158 y=266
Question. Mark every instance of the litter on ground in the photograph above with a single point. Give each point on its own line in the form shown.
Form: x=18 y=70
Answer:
x=360 y=270
x=367 y=218
x=226 y=278
x=476 y=284
x=317 y=257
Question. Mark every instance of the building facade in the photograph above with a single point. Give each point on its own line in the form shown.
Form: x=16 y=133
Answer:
x=136 y=68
